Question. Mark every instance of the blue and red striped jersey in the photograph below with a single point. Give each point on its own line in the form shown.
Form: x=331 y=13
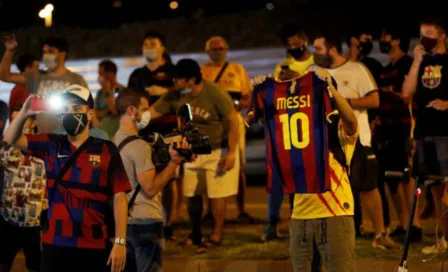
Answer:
x=294 y=115
x=78 y=205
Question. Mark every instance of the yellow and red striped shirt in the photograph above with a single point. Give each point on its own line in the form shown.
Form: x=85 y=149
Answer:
x=338 y=201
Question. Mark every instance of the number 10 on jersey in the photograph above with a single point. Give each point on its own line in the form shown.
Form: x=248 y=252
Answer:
x=291 y=131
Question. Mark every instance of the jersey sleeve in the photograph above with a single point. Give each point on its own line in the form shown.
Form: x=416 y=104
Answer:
x=39 y=144
x=366 y=82
x=256 y=108
x=117 y=178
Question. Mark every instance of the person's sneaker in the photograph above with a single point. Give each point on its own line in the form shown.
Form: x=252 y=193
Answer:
x=384 y=242
x=440 y=247
x=270 y=233
x=244 y=217
x=398 y=232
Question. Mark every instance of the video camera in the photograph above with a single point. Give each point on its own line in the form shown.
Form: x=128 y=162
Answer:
x=200 y=144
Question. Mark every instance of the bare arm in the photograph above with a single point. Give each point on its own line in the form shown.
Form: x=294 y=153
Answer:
x=410 y=82
x=13 y=134
x=370 y=101
x=233 y=134
x=120 y=214
x=153 y=184
x=346 y=113
x=5 y=69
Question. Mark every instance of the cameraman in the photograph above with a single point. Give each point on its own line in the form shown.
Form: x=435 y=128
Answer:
x=214 y=115
x=145 y=224
x=76 y=231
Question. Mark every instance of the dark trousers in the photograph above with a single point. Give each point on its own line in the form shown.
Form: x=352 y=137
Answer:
x=71 y=259
x=14 y=238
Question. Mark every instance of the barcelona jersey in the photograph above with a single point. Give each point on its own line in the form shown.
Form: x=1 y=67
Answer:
x=295 y=115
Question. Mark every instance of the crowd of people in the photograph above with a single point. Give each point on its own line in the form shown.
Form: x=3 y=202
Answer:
x=84 y=182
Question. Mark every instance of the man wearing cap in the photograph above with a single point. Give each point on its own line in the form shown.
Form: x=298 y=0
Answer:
x=78 y=227
x=216 y=173
x=232 y=78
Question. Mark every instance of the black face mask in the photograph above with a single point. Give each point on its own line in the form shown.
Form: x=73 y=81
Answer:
x=322 y=60
x=297 y=53
x=365 y=48
x=74 y=123
x=428 y=43
x=385 y=47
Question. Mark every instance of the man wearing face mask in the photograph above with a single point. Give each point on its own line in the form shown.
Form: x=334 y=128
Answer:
x=426 y=83
x=233 y=78
x=56 y=78
x=360 y=46
x=393 y=133
x=156 y=78
x=80 y=224
x=216 y=173
x=357 y=85
x=145 y=223
x=298 y=58
x=105 y=109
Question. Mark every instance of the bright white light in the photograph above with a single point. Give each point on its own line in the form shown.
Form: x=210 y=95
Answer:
x=55 y=103
x=45 y=12
x=49 y=7
x=270 y=6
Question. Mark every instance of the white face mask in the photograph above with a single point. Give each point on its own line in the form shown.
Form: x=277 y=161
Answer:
x=100 y=79
x=146 y=117
x=50 y=61
x=150 y=54
x=185 y=91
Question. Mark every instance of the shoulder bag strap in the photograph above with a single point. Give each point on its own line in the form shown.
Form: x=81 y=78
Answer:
x=218 y=77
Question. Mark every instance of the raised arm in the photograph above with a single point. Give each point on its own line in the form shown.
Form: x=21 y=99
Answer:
x=5 y=65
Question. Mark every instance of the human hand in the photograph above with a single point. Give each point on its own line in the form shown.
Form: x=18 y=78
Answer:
x=117 y=258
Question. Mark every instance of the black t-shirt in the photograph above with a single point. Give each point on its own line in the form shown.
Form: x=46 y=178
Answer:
x=375 y=67
x=432 y=84
x=394 y=115
x=142 y=78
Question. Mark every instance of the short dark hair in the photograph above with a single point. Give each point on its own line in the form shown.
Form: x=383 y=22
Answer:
x=438 y=23
x=155 y=34
x=60 y=43
x=128 y=97
x=291 y=30
x=188 y=69
x=109 y=66
x=399 y=33
x=331 y=40
x=25 y=60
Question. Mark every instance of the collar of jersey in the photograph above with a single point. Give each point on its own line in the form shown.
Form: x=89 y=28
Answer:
x=289 y=80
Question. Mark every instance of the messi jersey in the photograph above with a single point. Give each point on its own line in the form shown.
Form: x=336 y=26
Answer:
x=294 y=114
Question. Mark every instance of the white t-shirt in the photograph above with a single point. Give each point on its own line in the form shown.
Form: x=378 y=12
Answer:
x=355 y=81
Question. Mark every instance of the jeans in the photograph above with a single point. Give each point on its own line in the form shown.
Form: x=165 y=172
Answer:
x=144 y=247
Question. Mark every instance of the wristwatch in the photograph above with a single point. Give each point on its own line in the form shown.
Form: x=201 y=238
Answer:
x=120 y=241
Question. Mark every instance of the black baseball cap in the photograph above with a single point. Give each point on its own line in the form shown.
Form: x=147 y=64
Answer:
x=188 y=68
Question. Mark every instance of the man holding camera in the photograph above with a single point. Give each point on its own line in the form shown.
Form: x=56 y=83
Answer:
x=215 y=116
x=83 y=173
x=145 y=224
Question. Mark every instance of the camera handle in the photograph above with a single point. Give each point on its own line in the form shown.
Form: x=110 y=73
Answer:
x=186 y=153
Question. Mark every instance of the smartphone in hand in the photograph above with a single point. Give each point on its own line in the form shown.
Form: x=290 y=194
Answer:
x=39 y=104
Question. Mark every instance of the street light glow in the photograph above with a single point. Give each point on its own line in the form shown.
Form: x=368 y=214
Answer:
x=174 y=5
x=46 y=13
